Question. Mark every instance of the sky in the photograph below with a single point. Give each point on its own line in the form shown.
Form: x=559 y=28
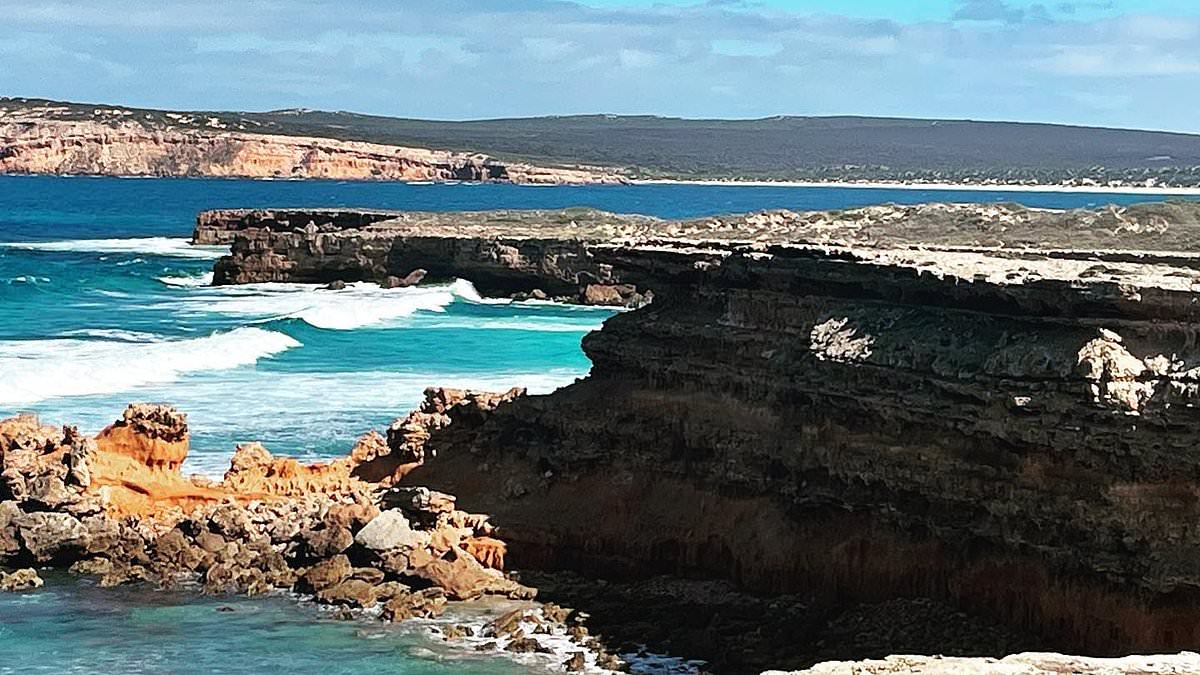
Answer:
x=1123 y=63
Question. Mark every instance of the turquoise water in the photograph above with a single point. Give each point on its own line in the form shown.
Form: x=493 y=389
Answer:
x=71 y=626
x=103 y=302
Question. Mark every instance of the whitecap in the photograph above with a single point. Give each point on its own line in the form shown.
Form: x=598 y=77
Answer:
x=204 y=279
x=29 y=279
x=358 y=305
x=528 y=324
x=35 y=370
x=466 y=290
x=114 y=334
x=135 y=261
x=171 y=247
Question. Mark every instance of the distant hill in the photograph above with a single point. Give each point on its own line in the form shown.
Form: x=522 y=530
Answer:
x=798 y=148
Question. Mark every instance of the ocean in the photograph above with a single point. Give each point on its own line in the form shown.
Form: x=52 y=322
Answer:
x=103 y=302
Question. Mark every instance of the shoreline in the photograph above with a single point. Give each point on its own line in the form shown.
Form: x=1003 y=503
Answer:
x=943 y=187
x=710 y=182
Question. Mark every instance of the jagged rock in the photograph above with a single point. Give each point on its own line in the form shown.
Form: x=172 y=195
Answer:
x=388 y=531
x=349 y=593
x=463 y=578
x=10 y=542
x=370 y=575
x=326 y=541
x=596 y=294
x=210 y=542
x=325 y=574
x=390 y=589
x=352 y=517
x=232 y=521
x=153 y=435
x=47 y=535
x=411 y=279
x=525 y=645
x=425 y=604
x=20 y=580
x=576 y=662
x=49 y=492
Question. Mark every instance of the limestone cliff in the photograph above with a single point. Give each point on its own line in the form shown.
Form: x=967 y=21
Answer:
x=987 y=405
x=46 y=140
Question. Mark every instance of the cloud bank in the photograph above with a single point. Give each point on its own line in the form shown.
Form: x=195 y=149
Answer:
x=1084 y=63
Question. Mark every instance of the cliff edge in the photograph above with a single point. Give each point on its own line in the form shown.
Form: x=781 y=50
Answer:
x=61 y=140
x=987 y=406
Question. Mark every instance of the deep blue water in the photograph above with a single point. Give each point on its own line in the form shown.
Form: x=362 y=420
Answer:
x=103 y=302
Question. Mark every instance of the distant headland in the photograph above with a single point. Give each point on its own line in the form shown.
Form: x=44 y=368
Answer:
x=39 y=136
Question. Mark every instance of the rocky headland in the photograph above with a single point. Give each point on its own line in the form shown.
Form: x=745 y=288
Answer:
x=56 y=139
x=972 y=419
x=115 y=507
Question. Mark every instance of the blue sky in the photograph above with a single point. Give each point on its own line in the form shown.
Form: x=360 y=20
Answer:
x=1095 y=62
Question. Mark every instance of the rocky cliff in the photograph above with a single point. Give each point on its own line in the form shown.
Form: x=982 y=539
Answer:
x=116 y=142
x=987 y=406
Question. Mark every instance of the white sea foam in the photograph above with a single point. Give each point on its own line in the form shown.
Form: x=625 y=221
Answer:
x=204 y=279
x=29 y=279
x=114 y=334
x=530 y=324
x=466 y=291
x=358 y=305
x=161 y=246
x=35 y=370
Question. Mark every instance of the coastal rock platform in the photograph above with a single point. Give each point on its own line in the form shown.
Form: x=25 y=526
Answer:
x=986 y=406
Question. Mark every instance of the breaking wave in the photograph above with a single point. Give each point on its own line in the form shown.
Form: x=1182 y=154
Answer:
x=359 y=305
x=35 y=370
x=195 y=281
x=161 y=246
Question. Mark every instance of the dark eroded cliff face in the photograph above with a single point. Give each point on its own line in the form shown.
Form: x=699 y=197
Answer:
x=1012 y=430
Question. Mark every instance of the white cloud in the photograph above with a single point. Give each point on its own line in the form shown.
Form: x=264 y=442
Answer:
x=458 y=58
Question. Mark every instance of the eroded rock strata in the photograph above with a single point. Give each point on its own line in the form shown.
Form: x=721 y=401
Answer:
x=989 y=406
x=115 y=142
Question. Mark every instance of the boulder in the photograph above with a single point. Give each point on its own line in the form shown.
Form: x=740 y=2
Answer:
x=463 y=578
x=349 y=593
x=325 y=574
x=10 y=542
x=154 y=435
x=49 y=535
x=426 y=604
x=411 y=279
x=389 y=531
x=20 y=580
x=368 y=574
x=598 y=294
x=326 y=541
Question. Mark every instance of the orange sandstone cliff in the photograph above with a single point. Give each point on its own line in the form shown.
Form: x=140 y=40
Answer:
x=117 y=142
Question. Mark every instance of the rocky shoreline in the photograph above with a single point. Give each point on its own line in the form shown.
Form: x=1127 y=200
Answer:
x=985 y=408
x=116 y=508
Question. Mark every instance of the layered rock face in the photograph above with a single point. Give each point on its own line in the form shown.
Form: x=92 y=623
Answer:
x=33 y=141
x=987 y=405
